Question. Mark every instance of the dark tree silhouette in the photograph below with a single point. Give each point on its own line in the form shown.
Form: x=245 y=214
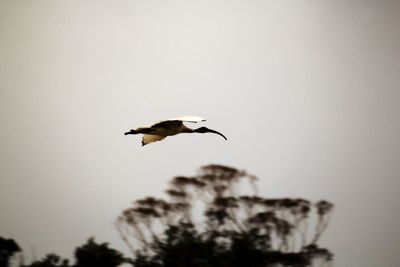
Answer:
x=99 y=255
x=208 y=222
x=90 y=254
x=8 y=247
x=51 y=260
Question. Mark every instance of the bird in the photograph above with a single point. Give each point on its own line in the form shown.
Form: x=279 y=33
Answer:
x=162 y=129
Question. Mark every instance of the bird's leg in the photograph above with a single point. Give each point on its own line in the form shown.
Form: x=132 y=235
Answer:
x=131 y=132
x=144 y=130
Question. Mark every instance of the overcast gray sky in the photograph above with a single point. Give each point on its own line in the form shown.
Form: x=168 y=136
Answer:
x=307 y=93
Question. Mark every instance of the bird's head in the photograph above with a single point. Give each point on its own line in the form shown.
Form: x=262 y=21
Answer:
x=207 y=130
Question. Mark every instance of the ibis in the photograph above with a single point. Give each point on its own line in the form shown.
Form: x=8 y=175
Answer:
x=162 y=129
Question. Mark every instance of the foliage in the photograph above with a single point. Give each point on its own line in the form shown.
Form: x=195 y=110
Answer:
x=233 y=229
x=90 y=254
x=99 y=255
x=51 y=260
x=8 y=247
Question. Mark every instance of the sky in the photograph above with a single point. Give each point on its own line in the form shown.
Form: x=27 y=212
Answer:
x=306 y=92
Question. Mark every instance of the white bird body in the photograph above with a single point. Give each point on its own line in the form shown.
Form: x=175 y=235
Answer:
x=161 y=130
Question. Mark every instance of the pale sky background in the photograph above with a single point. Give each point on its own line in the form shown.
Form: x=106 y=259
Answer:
x=307 y=93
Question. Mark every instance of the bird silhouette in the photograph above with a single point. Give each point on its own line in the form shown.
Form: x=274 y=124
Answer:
x=162 y=129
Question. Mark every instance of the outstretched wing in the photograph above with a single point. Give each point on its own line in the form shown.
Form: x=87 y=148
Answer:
x=189 y=119
x=167 y=125
x=150 y=138
x=160 y=130
x=176 y=122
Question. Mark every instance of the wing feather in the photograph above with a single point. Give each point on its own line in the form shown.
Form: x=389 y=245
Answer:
x=177 y=122
x=150 y=138
x=189 y=119
x=167 y=124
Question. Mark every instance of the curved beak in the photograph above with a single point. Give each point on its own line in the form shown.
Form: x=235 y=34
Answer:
x=212 y=131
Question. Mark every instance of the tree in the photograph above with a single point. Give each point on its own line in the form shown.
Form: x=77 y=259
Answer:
x=99 y=255
x=208 y=222
x=8 y=247
x=51 y=260
x=90 y=254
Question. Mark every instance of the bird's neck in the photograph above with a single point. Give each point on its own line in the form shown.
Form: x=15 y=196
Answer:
x=186 y=129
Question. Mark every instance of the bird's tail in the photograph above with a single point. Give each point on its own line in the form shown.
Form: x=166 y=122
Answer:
x=131 y=132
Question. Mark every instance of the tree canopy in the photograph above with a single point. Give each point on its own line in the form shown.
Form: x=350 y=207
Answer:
x=217 y=218
x=8 y=247
x=90 y=254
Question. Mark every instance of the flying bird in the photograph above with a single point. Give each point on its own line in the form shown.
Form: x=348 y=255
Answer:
x=161 y=130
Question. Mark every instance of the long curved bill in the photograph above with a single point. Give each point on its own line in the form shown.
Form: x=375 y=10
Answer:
x=213 y=131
